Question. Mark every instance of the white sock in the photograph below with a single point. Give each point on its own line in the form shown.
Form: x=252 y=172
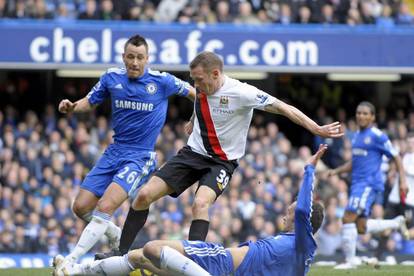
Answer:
x=349 y=240
x=178 y=264
x=87 y=217
x=118 y=265
x=113 y=233
x=379 y=225
x=90 y=235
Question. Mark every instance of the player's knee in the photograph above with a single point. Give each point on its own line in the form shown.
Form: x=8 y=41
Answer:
x=143 y=199
x=361 y=226
x=152 y=251
x=79 y=209
x=136 y=258
x=106 y=206
x=200 y=205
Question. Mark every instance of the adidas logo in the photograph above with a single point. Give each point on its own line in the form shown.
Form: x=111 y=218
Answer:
x=118 y=86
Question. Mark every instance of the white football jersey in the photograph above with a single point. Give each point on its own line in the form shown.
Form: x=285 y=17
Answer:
x=408 y=164
x=223 y=119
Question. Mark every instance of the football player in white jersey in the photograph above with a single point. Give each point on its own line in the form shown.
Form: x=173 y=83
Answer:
x=223 y=111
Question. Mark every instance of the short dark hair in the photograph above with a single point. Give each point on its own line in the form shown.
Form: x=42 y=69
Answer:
x=136 y=40
x=317 y=216
x=369 y=105
x=207 y=60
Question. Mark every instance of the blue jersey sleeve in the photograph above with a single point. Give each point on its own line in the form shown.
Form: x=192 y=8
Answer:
x=175 y=86
x=385 y=146
x=303 y=227
x=99 y=92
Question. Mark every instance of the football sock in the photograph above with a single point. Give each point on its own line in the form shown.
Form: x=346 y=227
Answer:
x=379 y=225
x=118 y=265
x=134 y=222
x=90 y=235
x=178 y=264
x=349 y=240
x=198 y=230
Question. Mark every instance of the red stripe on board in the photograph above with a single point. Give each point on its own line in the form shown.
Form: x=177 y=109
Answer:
x=211 y=132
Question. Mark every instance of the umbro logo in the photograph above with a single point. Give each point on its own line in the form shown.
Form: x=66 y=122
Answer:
x=118 y=86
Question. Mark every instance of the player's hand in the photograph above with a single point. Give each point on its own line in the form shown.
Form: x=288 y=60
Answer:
x=403 y=188
x=66 y=106
x=315 y=158
x=333 y=130
x=188 y=127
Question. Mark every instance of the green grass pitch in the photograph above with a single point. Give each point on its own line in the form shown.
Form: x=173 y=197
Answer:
x=397 y=270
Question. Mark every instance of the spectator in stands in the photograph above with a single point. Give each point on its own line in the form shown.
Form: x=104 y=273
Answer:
x=90 y=12
x=404 y=16
x=107 y=11
x=223 y=12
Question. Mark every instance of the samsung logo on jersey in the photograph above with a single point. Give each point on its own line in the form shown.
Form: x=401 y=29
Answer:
x=359 y=152
x=134 y=105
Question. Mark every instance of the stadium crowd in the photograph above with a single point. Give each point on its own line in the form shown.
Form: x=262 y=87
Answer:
x=43 y=159
x=385 y=13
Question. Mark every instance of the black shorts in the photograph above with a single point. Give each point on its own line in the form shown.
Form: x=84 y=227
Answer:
x=188 y=167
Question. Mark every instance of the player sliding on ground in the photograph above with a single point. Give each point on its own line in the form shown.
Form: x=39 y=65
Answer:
x=286 y=254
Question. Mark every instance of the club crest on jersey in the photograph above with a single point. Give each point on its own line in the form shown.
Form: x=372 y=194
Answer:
x=151 y=88
x=224 y=101
x=367 y=140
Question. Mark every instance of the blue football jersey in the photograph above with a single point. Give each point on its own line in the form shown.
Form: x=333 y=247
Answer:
x=287 y=254
x=139 y=106
x=368 y=147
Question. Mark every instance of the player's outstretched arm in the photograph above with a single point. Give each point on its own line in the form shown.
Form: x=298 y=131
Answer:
x=305 y=193
x=82 y=105
x=332 y=130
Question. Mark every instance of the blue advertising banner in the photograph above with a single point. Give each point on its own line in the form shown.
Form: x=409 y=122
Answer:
x=271 y=48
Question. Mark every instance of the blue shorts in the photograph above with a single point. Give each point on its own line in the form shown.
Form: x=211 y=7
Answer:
x=362 y=198
x=129 y=168
x=211 y=257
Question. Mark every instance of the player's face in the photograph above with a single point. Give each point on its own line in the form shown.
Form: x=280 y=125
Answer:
x=289 y=218
x=207 y=82
x=364 y=117
x=135 y=58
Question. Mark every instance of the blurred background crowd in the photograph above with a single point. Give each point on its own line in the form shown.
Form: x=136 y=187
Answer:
x=44 y=157
x=385 y=13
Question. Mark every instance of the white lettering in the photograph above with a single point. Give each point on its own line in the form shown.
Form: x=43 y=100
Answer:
x=192 y=44
x=60 y=44
x=127 y=104
x=106 y=51
x=7 y=262
x=304 y=50
x=273 y=52
x=213 y=45
x=170 y=53
x=119 y=49
x=244 y=52
x=88 y=50
x=26 y=262
x=152 y=50
x=35 y=52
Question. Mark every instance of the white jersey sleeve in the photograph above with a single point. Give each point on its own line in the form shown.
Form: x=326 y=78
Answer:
x=252 y=97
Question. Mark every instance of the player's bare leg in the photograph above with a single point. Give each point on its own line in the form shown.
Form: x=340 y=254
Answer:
x=204 y=198
x=170 y=257
x=138 y=213
x=113 y=197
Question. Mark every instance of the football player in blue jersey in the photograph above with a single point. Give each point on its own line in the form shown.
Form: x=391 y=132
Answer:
x=139 y=102
x=287 y=254
x=369 y=144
